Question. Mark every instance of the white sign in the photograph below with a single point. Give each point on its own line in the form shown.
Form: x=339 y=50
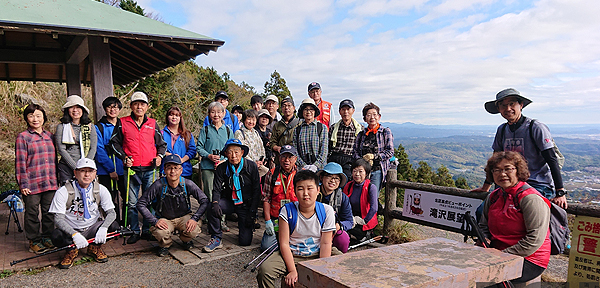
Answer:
x=447 y=210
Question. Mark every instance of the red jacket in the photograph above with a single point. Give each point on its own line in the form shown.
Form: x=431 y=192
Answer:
x=139 y=143
x=325 y=115
x=364 y=203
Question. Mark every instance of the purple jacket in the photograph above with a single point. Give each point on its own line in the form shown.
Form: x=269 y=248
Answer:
x=385 y=147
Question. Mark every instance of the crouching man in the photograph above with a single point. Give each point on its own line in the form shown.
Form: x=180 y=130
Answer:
x=171 y=195
x=77 y=209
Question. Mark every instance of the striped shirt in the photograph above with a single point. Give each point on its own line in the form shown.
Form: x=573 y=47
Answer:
x=35 y=162
x=312 y=147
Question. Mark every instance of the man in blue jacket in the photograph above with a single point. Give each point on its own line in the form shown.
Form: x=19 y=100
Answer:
x=231 y=121
x=110 y=168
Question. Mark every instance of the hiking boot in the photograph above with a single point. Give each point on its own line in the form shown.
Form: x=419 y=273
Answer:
x=69 y=258
x=36 y=247
x=148 y=236
x=162 y=251
x=48 y=243
x=224 y=227
x=213 y=244
x=133 y=238
x=256 y=224
x=188 y=245
x=97 y=252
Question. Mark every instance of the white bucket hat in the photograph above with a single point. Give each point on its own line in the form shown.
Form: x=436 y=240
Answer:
x=75 y=100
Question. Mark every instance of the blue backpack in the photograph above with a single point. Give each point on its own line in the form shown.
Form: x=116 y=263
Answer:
x=292 y=214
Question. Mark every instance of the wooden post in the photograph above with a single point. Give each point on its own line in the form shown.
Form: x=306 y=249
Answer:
x=390 y=199
x=102 y=81
x=73 y=79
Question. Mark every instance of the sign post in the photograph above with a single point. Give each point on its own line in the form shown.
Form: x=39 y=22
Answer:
x=584 y=257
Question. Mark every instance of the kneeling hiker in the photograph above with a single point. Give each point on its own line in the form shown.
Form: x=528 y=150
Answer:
x=77 y=214
x=308 y=234
x=172 y=195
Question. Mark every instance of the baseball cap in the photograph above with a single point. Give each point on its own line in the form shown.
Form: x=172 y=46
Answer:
x=313 y=85
x=288 y=100
x=85 y=163
x=221 y=94
x=347 y=102
x=139 y=96
x=173 y=158
x=272 y=98
x=288 y=149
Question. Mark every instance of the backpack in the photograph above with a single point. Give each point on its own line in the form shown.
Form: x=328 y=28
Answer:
x=70 y=186
x=559 y=231
x=559 y=156
x=164 y=192
x=320 y=125
x=292 y=214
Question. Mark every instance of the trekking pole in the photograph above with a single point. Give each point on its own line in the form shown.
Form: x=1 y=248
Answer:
x=261 y=254
x=108 y=236
x=369 y=241
x=263 y=260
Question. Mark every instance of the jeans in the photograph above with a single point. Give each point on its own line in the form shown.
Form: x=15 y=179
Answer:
x=377 y=178
x=134 y=192
x=544 y=190
x=243 y=212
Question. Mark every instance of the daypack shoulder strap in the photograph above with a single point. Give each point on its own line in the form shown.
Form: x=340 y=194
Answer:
x=274 y=177
x=531 y=135
x=337 y=202
x=70 y=193
x=292 y=215
x=319 y=128
x=321 y=215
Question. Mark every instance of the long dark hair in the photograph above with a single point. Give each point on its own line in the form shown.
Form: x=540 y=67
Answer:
x=85 y=118
x=187 y=136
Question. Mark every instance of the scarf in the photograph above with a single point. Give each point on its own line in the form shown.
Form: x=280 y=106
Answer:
x=84 y=137
x=236 y=193
x=83 y=193
x=374 y=130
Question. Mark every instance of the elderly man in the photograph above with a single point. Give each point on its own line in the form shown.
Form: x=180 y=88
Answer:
x=172 y=196
x=236 y=188
x=310 y=136
x=138 y=142
x=532 y=139
x=342 y=137
x=278 y=189
x=272 y=104
x=283 y=129
x=77 y=215
x=231 y=121
x=325 y=117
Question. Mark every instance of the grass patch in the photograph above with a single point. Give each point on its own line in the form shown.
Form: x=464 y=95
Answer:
x=6 y=273
x=31 y=271
x=400 y=231
x=84 y=259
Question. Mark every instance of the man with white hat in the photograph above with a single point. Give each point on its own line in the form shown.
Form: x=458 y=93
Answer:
x=310 y=136
x=138 y=142
x=77 y=210
x=272 y=104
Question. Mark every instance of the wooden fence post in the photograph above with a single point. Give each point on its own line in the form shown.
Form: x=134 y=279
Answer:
x=390 y=200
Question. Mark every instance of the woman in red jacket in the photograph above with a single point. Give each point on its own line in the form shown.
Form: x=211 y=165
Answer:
x=363 y=196
x=515 y=216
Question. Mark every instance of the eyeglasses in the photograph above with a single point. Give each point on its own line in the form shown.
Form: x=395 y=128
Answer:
x=508 y=170
x=334 y=178
x=113 y=107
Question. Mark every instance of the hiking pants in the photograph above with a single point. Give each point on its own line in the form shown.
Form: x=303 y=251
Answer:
x=165 y=238
x=33 y=203
x=243 y=212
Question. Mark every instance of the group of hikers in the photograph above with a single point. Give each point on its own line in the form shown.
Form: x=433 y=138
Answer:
x=316 y=179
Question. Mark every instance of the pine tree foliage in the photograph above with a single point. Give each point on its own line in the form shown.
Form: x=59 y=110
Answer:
x=276 y=86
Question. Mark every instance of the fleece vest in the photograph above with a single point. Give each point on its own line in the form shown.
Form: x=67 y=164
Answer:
x=364 y=203
x=139 y=142
x=325 y=109
x=279 y=193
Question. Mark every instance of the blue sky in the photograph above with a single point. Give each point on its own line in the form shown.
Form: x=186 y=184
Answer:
x=427 y=62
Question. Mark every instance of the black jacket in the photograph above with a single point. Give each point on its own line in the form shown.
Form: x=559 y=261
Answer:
x=250 y=181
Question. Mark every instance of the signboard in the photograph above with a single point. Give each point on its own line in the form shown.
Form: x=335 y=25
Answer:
x=447 y=210
x=584 y=257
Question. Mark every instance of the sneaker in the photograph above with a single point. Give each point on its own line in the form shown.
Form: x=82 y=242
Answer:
x=188 y=245
x=97 y=252
x=36 y=247
x=224 y=227
x=162 y=251
x=48 y=243
x=69 y=258
x=133 y=238
x=213 y=244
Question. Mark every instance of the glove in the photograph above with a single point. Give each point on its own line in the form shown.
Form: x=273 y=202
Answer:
x=359 y=221
x=80 y=241
x=217 y=209
x=369 y=158
x=101 y=235
x=269 y=228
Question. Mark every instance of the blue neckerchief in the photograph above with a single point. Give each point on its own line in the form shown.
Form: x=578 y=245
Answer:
x=83 y=193
x=237 y=187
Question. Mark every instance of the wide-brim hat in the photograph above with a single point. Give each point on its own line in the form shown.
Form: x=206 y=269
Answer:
x=305 y=103
x=75 y=100
x=265 y=112
x=333 y=168
x=235 y=142
x=492 y=107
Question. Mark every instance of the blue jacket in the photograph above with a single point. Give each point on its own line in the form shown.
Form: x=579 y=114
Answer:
x=179 y=149
x=104 y=157
x=230 y=120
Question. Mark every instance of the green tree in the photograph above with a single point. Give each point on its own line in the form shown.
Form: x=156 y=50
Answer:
x=405 y=169
x=425 y=173
x=277 y=86
x=211 y=82
x=132 y=6
x=443 y=177
x=461 y=182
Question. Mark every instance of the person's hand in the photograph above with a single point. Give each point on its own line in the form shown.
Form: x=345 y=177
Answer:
x=114 y=176
x=337 y=227
x=269 y=228
x=258 y=163
x=128 y=161
x=291 y=278
x=277 y=148
x=369 y=158
x=80 y=241
x=190 y=225
x=560 y=201
x=25 y=191
x=214 y=158
x=359 y=221
x=216 y=208
x=162 y=224
x=168 y=153
x=101 y=235
x=157 y=161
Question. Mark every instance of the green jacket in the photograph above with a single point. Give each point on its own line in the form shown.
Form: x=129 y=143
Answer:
x=283 y=133
x=212 y=139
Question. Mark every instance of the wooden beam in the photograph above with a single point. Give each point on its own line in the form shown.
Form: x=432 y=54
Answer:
x=33 y=73
x=31 y=56
x=60 y=73
x=73 y=79
x=117 y=47
x=102 y=82
x=7 y=72
x=77 y=51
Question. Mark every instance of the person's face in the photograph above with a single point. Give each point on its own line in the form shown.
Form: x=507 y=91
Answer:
x=288 y=109
x=309 y=114
x=216 y=115
x=112 y=111
x=174 y=119
x=271 y=106
x=75 y=112
x=359 y=174
x=505 y=174
x=234 y=154
x=139 y=108
x=372 y=118
x=257 y=106
x=287 y=161
x=35 y=120
x=263 y=121
x=315 y=94
x=173 y=171
x=330 y=182
x=510 y=109
x=250 y=122
x=85 y=176
x=346 y=112
x=237 y=114
x=223 y=101
x=306 y=192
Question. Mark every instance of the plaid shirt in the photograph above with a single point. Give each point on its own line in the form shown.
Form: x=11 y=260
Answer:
x=385 y=146
x=346 y=136
x=310 y=145
x=268 y=185
x=35 y=161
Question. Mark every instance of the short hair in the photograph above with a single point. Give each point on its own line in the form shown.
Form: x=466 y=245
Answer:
x=110 y=101
x=514 y=158
x=237 y=108
x=250 y=113
x=85 y=118
x=213 y=105
x=368 y=107
x=303 y=175
x=256 y=99
x=360 y=162
x=30 y=109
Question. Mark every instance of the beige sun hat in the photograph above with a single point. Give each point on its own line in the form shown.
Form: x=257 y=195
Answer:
x=75 y=100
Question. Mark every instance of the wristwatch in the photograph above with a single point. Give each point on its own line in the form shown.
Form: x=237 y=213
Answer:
x=560 y=193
